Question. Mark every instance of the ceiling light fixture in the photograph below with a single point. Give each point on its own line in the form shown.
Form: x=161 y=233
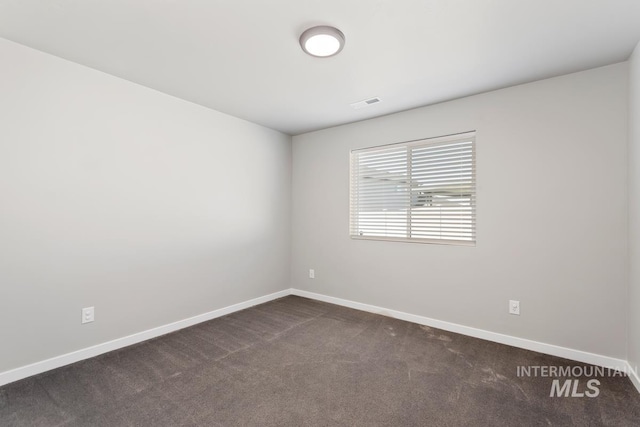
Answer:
x=322 y=41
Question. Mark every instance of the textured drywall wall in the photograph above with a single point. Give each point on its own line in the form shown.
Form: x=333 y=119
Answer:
x=112 y=195
x=634 y=209
x=551 y=215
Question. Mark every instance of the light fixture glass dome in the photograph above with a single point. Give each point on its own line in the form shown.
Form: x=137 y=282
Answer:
x=322 y=41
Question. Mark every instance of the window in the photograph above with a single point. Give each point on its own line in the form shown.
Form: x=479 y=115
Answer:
x=419 y=191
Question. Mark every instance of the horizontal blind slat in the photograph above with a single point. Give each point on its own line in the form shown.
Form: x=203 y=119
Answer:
x=418 y=191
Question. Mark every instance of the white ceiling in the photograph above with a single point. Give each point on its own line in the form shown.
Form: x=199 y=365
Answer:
x=242 y=57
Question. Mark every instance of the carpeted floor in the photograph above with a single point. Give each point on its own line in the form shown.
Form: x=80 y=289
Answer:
x=298 y=362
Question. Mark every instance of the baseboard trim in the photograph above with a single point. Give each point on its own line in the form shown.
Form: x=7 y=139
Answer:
x=633 y=376
x=554 y=350
x=86 y=353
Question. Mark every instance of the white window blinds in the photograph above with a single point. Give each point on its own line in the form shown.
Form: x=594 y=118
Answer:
x=419 y=191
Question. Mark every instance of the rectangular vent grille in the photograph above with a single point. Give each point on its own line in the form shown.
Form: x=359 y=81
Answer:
x=365 y=103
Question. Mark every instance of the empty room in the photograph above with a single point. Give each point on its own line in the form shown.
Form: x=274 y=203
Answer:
x=319 y=213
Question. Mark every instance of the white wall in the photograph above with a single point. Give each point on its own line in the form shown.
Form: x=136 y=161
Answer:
x=112 y=195
x=634 y=208
x=551 y=215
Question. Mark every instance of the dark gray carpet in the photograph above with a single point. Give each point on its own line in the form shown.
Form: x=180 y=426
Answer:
x=298 y=362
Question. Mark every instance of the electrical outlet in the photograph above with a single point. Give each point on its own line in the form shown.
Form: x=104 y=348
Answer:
x=514 y=307
x=88 y=315
x=312 y=274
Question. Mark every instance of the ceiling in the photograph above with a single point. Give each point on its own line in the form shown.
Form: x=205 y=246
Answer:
x=242 y=57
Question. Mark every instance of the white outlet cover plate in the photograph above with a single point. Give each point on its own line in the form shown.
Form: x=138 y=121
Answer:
x=514 y=307
x=88 y=315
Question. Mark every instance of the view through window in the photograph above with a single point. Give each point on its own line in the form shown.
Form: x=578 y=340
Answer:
x=423 y=191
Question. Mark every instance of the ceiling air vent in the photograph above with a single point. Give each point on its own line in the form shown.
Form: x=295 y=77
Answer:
x=366 y=103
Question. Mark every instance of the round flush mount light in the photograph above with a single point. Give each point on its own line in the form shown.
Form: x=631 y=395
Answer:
x=322 y=41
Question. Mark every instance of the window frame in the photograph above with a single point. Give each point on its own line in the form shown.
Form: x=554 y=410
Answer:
x=469 y=136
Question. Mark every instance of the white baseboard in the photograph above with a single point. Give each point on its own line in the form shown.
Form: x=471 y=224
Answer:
x=86 y=353
x=633 y=376
x=554 y=350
